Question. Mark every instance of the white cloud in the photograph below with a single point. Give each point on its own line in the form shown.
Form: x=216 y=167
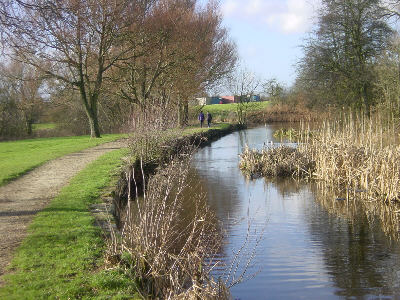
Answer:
x=288 y=16
x=230 y=7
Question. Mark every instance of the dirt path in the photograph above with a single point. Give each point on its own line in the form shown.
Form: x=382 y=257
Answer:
x=21 y=199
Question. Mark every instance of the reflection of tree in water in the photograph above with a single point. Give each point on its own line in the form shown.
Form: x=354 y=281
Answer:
x=361 y=259
x=222 y=195
x=243 y=141
x=286 y=186
x=378 y=214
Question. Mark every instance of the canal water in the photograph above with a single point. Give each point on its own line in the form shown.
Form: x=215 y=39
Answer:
x=300 y=248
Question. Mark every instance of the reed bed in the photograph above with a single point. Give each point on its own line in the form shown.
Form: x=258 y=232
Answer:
x=354 y=159
x=357 y=161
x=282 y=161
x=356 y=155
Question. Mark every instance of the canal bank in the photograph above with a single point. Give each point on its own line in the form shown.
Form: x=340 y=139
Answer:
x=63 y=253
x=163 y=152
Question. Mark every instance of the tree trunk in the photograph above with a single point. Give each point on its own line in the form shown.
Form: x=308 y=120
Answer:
x=366 y=101
x=91 y=111
x=28 y=123
x=185 y=112
x=180 y=112
x=29 y=127
x=93 y=123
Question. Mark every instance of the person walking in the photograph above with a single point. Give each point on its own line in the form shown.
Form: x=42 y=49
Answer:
x=201 y=118
x=209 y=118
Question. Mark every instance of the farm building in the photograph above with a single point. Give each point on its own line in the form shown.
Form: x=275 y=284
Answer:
x=224 y=99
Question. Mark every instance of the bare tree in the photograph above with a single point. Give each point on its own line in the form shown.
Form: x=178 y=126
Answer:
x=72 y=41
x=23 y=85
x=11 y=118
x=387 y=84
x=244 y=84
x=273 y=89
x=340 y=53
x=179 y=49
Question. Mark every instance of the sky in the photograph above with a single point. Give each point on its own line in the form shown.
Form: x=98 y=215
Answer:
x=269 y=33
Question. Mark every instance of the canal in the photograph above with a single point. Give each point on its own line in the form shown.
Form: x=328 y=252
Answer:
x=301 y=249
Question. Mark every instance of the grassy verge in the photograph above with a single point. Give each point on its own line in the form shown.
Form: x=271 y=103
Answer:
x=196 y=129
x=61 y=256
x=227 y=112
x=19 y=157
x=155 y=147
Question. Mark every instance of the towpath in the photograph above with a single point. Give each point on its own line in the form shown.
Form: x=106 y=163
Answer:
x=22 y=198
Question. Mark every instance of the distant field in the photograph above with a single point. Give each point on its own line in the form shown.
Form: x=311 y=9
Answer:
x=226 y=112
x=231 y=107
x=19 y=157
x=44 y=126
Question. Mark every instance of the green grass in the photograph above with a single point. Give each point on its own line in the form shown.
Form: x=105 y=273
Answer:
x=196 y=128
x=19 y=157
x=44 y=126
x=231 y=107
x=61 y=256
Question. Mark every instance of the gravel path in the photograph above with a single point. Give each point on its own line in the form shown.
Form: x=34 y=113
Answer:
x=22 y=198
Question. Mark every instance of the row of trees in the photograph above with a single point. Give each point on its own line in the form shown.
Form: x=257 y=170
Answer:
x=352 y=56
x=20 y=100
x=138 y=53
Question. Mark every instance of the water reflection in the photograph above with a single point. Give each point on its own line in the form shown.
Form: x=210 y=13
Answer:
x=308 y=250
x=361 y=257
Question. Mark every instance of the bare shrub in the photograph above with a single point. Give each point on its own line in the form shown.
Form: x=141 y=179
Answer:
x=11 y=120
x=168 y=246
x=282 y=112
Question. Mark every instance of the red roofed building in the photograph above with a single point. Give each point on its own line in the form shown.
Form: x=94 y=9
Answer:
x=229 y=99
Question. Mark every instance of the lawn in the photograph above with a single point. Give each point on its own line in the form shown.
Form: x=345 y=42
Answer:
x=44 y=126
x=63 y=252
x=222 y=111
x=19 y=157
x=196 y=128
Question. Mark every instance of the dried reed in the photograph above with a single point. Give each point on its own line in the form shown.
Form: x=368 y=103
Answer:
x=356 y=160
x=167 y=245
x=354 y=154
x=354 y=157
x=281 y=161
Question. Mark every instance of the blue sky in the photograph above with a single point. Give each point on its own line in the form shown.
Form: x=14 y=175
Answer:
x=268 y=34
